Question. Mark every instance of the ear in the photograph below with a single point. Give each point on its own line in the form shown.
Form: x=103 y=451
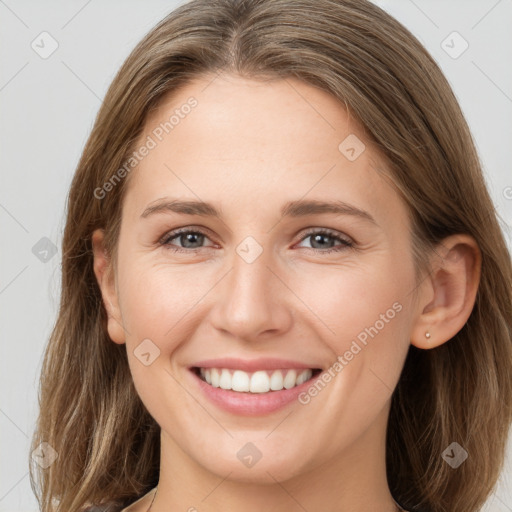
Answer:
x=447 y=295
x=106 y=282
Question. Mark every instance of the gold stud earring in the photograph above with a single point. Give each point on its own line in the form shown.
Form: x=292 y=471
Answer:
x=427 y=335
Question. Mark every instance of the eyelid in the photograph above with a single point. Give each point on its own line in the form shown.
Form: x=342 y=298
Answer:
x=328 y=231
x=173 y=233
x=346 y=241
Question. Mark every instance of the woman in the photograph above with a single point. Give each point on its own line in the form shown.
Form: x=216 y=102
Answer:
x=284 y=282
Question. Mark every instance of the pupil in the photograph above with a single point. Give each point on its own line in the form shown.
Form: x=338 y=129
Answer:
x=191 y=238
x=197 y=238
x=318 y=238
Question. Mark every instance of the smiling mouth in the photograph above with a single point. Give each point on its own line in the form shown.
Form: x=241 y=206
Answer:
x=261 y=381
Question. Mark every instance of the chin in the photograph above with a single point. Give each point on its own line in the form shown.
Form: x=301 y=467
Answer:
x=275 y=465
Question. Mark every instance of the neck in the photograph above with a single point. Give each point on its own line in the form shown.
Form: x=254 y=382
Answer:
x=353 y=480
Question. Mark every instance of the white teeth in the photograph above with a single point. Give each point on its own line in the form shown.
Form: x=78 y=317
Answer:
x=257 y=382
x=240 y=381
x=290 y=379
x=302 y=377
x=276 y=381
x=215 y=377
x=225 y=380
x=260 y=382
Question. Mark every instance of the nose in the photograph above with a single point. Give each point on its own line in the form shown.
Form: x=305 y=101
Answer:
x=251 y=302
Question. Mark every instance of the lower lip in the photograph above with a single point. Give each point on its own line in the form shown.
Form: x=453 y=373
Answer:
x=251 y=404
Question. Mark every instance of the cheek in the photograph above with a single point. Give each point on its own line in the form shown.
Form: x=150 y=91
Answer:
x=159 y=299
x=354 y=302
x=157 y=303
x=367 y=312
x=156 y=298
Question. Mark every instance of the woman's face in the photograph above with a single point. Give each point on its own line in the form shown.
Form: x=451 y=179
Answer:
x=268 y=280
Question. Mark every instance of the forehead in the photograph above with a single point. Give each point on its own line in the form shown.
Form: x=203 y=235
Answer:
x=235 y=141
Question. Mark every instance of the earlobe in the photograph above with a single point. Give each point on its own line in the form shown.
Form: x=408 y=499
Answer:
x=449 y=292
x=106 y=283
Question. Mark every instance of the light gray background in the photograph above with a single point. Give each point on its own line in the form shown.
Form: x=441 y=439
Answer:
x=47 y=111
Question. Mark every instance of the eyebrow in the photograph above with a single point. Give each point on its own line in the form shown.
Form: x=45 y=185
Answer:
x=297 y=208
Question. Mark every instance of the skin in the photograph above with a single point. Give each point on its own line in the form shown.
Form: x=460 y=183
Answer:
x=249 y=147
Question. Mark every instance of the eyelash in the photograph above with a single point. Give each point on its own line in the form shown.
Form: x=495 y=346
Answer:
x=345 y=244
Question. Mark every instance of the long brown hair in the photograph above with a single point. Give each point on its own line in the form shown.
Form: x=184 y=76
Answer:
x=107 y=443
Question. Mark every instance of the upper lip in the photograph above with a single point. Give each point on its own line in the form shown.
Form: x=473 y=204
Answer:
x=251 y=365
